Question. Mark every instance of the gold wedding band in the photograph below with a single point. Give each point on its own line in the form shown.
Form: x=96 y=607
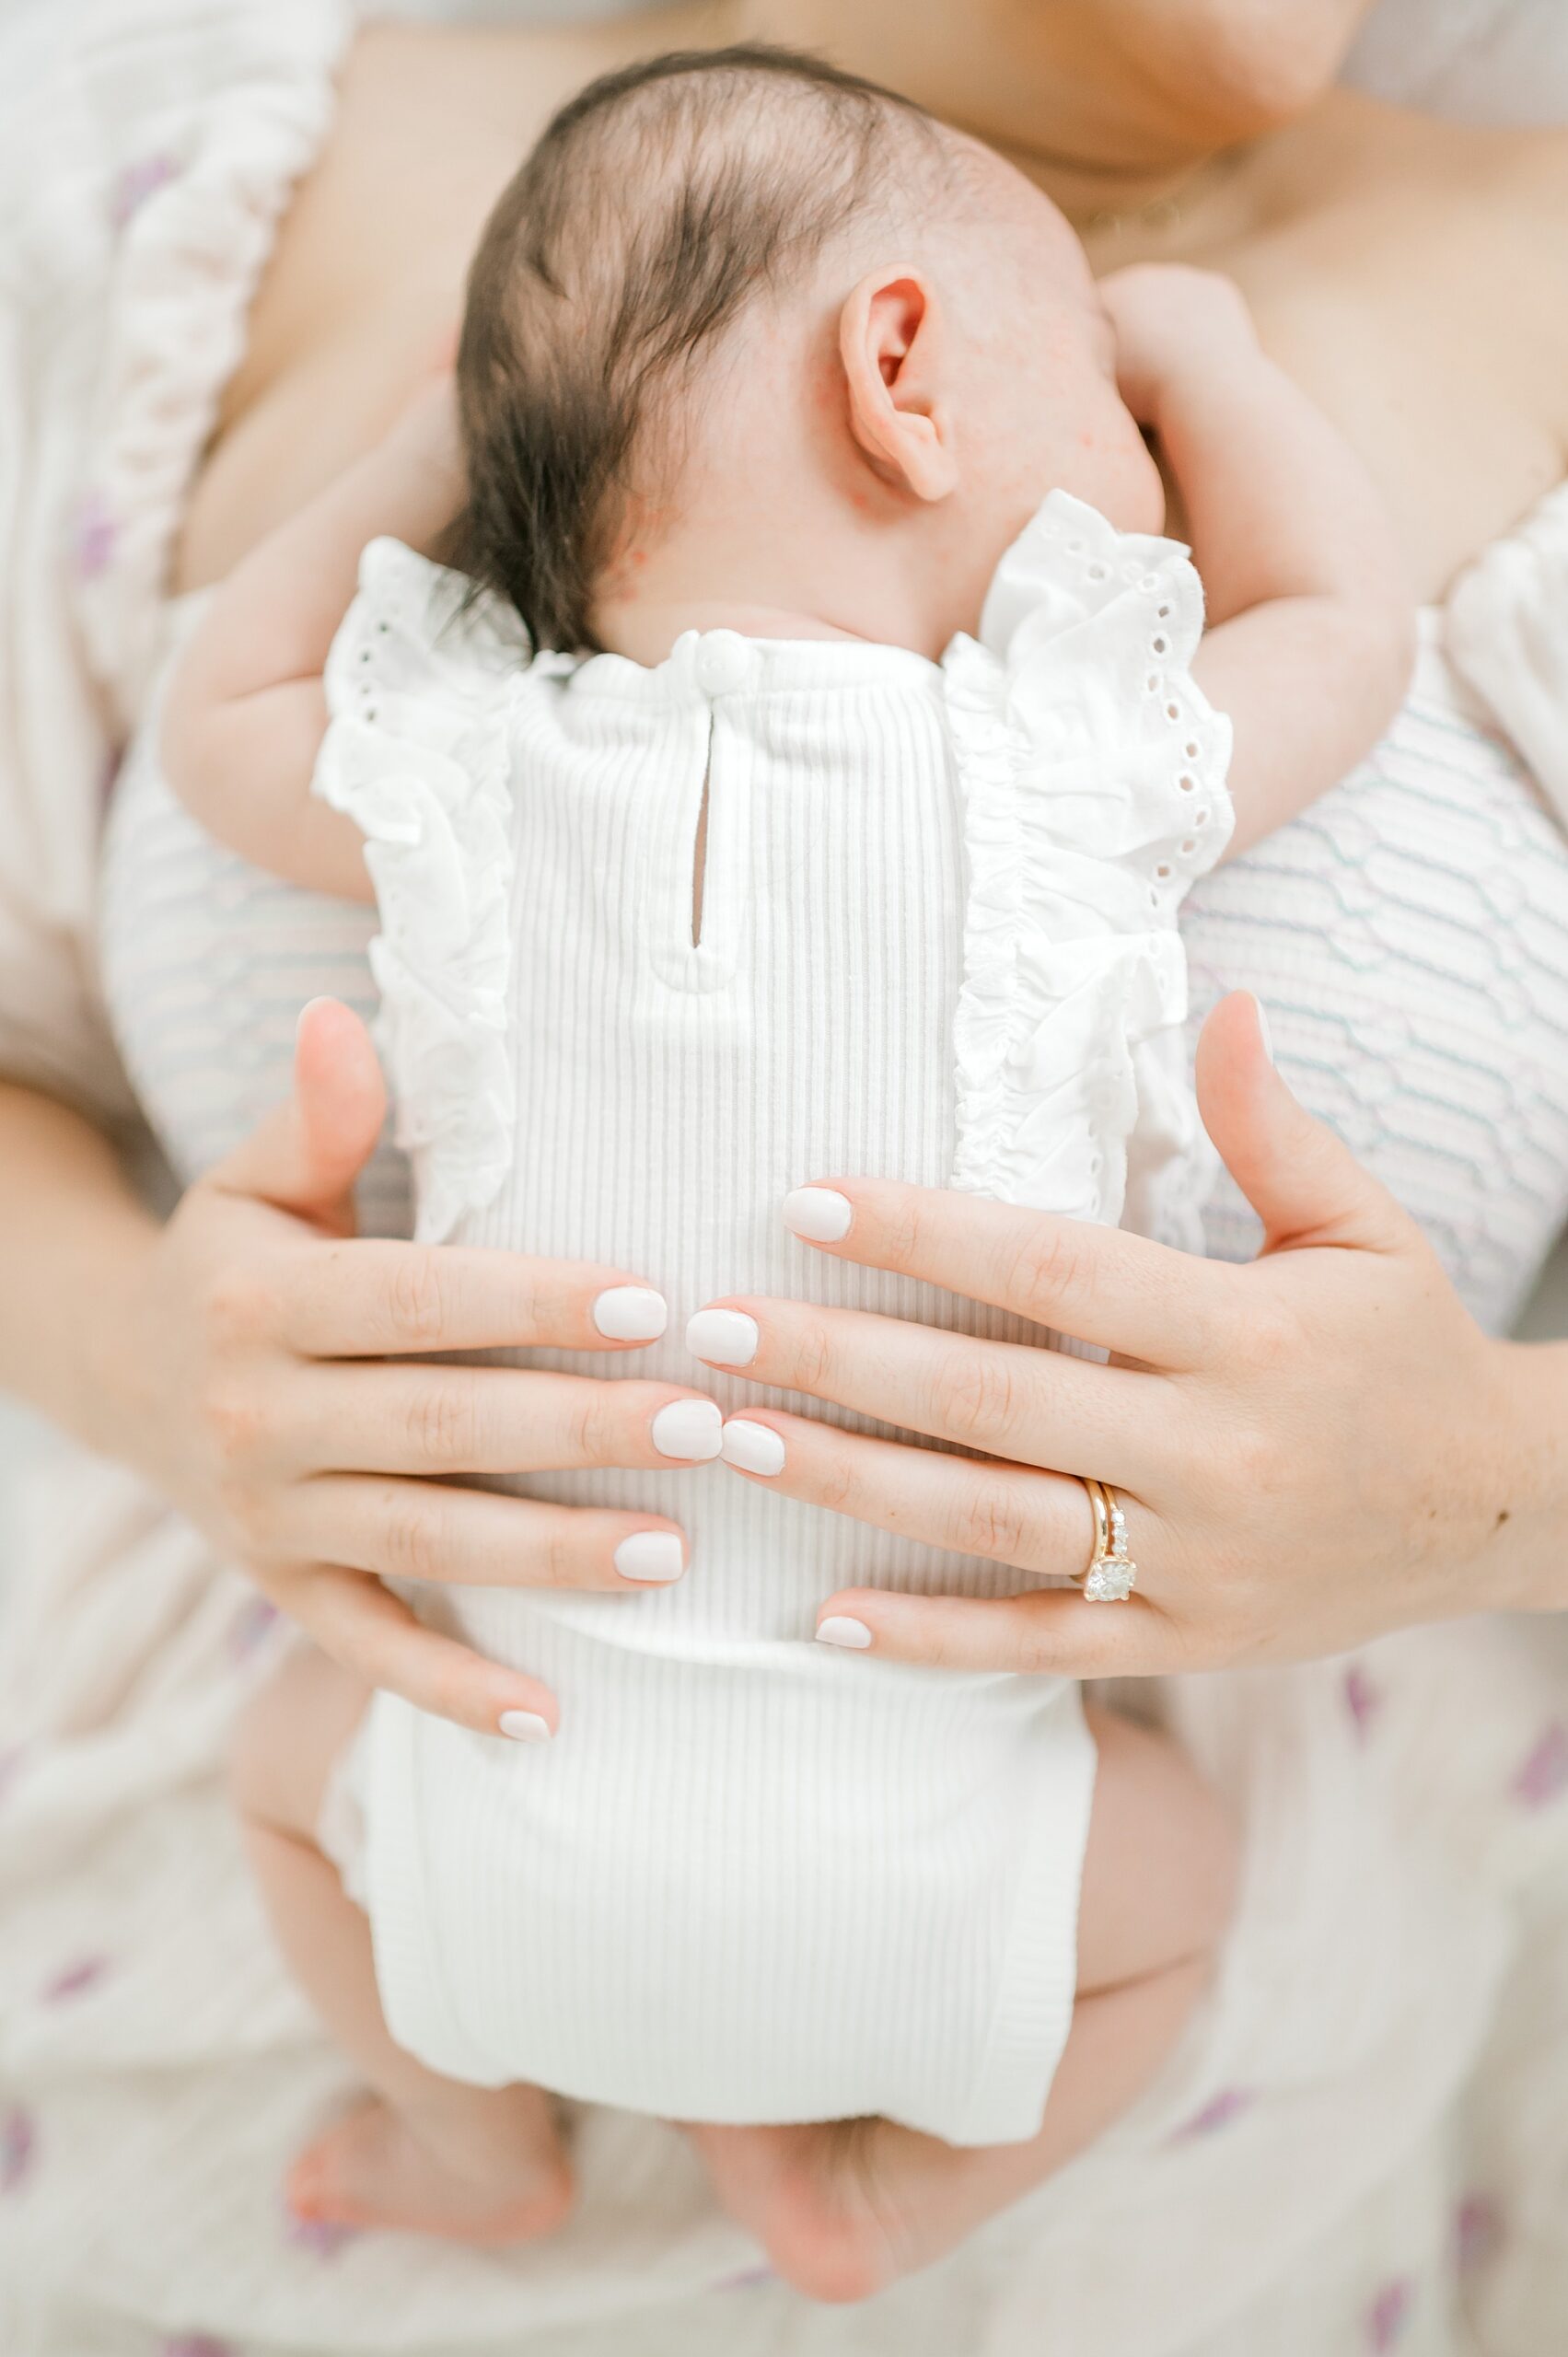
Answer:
x=1110 y=1574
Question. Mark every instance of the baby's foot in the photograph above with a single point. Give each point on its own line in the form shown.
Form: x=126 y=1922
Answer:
x=843 y=2210
x=487 y=2171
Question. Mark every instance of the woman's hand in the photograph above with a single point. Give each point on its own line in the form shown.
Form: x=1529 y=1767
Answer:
x=279 y=1396
x=1310 y=1450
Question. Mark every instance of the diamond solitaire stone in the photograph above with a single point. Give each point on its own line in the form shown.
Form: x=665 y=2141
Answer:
x=1110 y=1581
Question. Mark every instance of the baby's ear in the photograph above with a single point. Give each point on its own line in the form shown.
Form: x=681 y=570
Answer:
x=893 y=345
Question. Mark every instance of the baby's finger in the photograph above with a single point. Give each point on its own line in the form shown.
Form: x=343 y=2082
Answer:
x=1010 y=1514
x=372 y=1299
x=439 y=1420
x=374 y=1634
x=1055 y=1633
x=427 y=1530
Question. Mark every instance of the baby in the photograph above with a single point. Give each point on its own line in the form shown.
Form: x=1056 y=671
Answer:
x=807 y=778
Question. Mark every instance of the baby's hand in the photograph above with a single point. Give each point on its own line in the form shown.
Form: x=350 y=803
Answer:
x=1173 y=326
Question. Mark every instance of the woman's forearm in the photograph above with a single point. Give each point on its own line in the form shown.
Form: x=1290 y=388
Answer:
x=76 y=1237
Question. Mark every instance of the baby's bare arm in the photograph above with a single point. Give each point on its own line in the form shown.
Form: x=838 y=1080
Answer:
x=246 y=710
x=1311 y=624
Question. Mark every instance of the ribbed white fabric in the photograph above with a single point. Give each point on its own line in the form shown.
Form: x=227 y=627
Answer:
x=754 y=1878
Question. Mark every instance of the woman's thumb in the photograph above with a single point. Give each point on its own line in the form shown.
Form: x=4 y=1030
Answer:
x=307 y=1155
x=1304 y=1182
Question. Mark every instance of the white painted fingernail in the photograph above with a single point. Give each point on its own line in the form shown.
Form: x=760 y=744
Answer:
x=692 y=1429
x=756 y=1448
x=727 y=1336
x=838 y=1629
x=1261 y=1012
x=651 y=1555
x=818 y=1213
x=524 y=1726
x=631 y=1314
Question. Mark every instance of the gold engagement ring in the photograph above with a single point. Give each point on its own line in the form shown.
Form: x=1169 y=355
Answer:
x=1110 y=1574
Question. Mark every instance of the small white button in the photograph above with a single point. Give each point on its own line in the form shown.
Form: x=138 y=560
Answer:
x=725 y=660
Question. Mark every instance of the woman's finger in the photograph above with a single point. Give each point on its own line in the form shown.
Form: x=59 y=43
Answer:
x=1101 y=1284
x=305 y=1156
x=1039 y=1522
x=424 y=1530
x=1032 y=1405
x=373 y=1299
x=1304 y=1182
x=373 y=1633
x=440 y=1419
x=1053 y=1633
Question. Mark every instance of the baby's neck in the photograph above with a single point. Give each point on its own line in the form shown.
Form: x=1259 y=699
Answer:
x=785 y=558
x=840 y=587
x=646 y=630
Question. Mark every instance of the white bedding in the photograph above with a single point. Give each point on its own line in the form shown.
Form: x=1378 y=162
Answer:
x=1364 y=2145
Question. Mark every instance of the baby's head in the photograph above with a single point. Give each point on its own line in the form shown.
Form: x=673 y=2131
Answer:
x=750 y=341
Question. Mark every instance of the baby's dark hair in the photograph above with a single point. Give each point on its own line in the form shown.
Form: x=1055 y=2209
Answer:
x=654 y=205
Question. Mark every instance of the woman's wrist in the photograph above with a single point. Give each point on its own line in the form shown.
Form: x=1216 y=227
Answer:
x=77 y=1235
x=114 y=1391
x=1524 y=1470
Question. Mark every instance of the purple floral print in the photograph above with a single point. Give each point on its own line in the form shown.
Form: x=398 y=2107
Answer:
x=136 y=183
x=75 y=1979
x=1544 y=1778
x=1388 y=2315
x=19 y=2148
x=253 y=1624
x=1477 y=2232
x=1363 y=1699
x=1218 y=2112
x=93 y=539
x=317 y=2236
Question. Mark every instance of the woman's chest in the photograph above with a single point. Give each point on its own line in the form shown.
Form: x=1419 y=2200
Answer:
x=1448 y=389
x=1412 y=278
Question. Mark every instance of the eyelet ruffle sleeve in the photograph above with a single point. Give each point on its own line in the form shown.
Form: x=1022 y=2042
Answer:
x=419 y=693
x=1093 y=771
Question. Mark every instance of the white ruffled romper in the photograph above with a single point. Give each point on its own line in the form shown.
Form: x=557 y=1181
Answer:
x=755 y=1878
